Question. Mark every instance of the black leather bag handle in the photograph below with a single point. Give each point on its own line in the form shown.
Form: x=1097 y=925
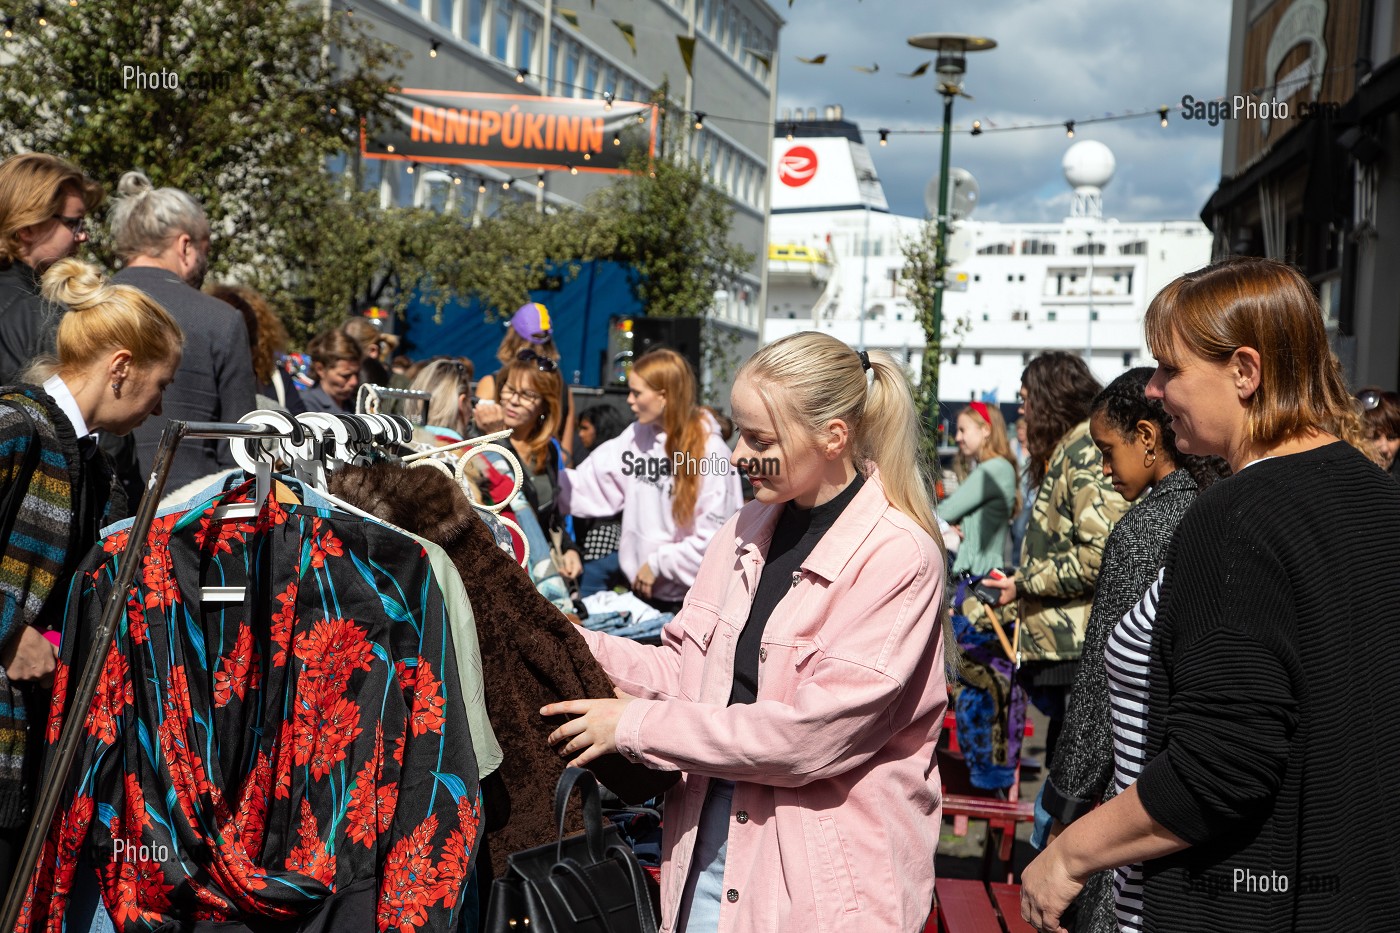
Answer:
x=592 y=811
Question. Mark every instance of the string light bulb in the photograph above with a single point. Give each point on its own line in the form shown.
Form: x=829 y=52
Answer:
x=884 y=137
x=617 y=140
x=573 y=169
x=539 y=183
x=1069 y=128
x=789 y=132
x=607 y=100
x=432 y=50
x=976 y=127
x=481 y=186
x=587 y=156
x=642 y=117
x=456 y=179
x=505 y=185
x=699 y=120
x=40 y=12
x=9 y=27
x=521 y=75
x=412 y=166
x=389 y=148
x=1162 y=112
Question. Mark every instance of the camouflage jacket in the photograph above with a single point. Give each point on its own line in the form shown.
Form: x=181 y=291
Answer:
x=1074 y=512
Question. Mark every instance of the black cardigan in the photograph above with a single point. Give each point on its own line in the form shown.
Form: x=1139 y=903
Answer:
x=1273 y=743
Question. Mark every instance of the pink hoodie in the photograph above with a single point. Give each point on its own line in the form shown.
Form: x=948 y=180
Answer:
x=837 y=800
x=628 y=474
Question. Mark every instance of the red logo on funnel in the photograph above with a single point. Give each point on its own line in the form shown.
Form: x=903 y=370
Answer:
x=797 y=166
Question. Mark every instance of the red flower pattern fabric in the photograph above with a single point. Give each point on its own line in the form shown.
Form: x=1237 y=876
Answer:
x=268 y=742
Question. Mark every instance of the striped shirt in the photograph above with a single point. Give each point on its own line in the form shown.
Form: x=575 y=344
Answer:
x=1126 y=658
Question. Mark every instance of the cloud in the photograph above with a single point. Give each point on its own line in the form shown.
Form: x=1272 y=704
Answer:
x=1072 y=59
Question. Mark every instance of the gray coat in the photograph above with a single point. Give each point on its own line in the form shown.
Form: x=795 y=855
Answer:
x=1082 y=772
x=214 y=382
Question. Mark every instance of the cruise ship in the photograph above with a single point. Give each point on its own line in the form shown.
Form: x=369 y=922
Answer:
x=1015 y=289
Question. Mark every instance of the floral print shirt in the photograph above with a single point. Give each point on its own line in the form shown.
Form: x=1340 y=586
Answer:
x=265 y=757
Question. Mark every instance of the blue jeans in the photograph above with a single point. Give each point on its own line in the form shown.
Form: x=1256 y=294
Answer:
x=600 y=574
x=704 y=889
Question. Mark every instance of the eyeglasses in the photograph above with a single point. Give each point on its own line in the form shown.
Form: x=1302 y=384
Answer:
x=1370 y=399
x=543 y=363
x=76 y=225
x=529 y=398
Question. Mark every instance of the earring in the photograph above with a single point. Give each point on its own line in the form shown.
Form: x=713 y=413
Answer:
x=1149 y=458
x=117 y=389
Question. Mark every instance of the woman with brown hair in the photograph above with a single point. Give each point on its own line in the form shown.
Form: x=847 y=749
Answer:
x=267 y=337
x=44 y=203
x=529 y=333
x=335 y=362
x=1380 y=416
x=668 y=474
x=1249 y=758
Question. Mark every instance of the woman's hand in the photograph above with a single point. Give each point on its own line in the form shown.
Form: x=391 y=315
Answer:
x=646 y=578
x=571 y=565
x=1047 y=889
x=593 y=734
x=488 y=416
x=28 y=657
x=1007 y=585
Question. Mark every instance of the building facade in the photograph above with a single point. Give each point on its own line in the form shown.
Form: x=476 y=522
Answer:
x=1308 y=175
x=535 y=48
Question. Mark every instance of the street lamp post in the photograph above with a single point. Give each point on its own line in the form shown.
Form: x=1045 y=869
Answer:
x=952 y=52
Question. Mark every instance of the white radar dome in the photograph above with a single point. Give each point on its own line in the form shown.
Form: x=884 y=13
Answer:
x=1089 y=163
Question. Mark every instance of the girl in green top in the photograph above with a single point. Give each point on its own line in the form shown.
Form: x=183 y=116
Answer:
x=990 y=709
x=982 y=506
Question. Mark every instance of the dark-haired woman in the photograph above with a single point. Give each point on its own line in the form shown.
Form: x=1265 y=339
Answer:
x=1380 y=417
x=1075 y=509
x=1268 y=745
x=1140 y=457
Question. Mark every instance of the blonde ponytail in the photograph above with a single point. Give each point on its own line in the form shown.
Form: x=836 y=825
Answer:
x=809 y=379
x=103 y=317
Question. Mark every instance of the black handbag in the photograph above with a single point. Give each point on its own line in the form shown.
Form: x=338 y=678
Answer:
x=589 y=883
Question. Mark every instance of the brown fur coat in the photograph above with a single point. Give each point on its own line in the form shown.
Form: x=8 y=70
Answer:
x=530 y=653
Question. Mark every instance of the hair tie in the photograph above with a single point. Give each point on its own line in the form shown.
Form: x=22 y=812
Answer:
x=981 y=409
x=864 y=360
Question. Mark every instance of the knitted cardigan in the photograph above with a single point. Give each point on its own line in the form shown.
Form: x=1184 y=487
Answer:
x=51 y=505
x=1082 y=773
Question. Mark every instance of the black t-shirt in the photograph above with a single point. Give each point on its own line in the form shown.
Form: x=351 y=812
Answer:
x=797 y=533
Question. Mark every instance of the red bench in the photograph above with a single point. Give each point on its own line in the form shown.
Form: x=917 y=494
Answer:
x=964 y=906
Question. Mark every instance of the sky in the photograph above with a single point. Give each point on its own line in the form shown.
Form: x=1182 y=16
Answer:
x=1055 y=60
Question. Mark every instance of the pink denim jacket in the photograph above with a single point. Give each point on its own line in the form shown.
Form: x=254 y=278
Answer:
x=837 y=801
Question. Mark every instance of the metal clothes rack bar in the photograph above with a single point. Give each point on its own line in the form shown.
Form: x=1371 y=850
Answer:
x=368 y=395
x=56 y=769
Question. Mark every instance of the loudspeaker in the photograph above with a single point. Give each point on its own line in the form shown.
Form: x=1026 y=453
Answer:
x=681 y=334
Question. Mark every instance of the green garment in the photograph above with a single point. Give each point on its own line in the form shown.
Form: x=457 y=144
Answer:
x=983 y=505
x=1075 y=509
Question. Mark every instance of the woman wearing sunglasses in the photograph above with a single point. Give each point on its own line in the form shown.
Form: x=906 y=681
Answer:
x=530 y=331
x=668 y=474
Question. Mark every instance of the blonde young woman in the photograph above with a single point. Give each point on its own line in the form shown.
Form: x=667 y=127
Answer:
x=117 y=350
x=667 y=474
x=801 y=689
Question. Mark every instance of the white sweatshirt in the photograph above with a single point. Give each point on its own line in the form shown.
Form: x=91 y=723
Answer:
x=631 y=474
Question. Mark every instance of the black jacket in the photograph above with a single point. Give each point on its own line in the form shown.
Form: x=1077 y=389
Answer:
x=27 y=321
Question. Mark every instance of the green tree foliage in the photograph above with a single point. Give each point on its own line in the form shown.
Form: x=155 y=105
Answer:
x=267 y=92
x=919 y=274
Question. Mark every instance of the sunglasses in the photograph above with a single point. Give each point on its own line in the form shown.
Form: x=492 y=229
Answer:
x=1370 y=399
x=543 y=363
x=76 y=225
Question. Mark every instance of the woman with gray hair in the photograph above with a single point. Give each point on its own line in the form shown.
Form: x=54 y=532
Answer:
x=162 y=238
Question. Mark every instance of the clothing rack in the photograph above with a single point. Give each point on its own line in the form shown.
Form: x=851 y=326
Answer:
x=56 y=771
